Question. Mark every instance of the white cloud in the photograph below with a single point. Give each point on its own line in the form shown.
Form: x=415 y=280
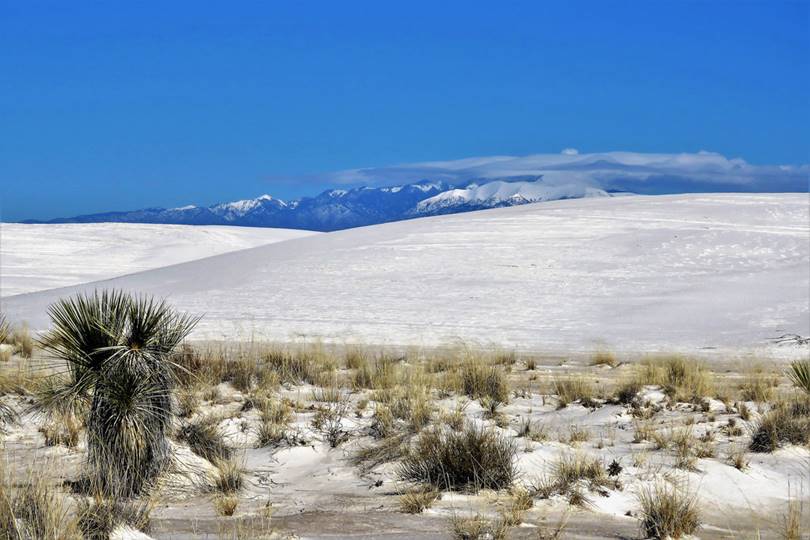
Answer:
x=570 y=152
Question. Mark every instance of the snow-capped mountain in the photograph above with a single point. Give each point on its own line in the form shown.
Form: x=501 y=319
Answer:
x=500 y=193
x=344 y=208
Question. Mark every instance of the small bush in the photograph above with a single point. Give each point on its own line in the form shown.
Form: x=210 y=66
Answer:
x=22 y=340
x=473 y=458
x=667 y=511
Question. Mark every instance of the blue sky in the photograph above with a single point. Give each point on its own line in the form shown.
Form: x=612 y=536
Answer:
x=113 y=105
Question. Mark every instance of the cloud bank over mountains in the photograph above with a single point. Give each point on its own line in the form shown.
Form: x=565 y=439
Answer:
x=611 y=171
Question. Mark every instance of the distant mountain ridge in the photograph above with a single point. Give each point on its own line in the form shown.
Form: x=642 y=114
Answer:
x=337 y=209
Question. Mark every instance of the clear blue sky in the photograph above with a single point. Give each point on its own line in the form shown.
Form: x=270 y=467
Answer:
x=122 y=105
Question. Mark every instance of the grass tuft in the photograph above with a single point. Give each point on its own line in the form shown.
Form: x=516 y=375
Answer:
x=473 y=458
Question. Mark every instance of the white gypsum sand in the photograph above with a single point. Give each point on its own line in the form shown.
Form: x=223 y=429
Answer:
x=47 y=256
x=682 y=272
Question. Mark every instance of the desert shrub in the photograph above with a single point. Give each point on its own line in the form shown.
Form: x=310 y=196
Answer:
x=205 y=439
x=800 y=374
x=788 y=422
x=473 y=458
x=667 y=511
x=118 y=351
x=479 y=380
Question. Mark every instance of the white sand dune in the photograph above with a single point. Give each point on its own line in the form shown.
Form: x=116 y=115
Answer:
x=40 y=257
x=683 y=272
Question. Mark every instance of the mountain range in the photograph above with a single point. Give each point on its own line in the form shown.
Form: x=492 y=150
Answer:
x=337 y=209
x=477 y=183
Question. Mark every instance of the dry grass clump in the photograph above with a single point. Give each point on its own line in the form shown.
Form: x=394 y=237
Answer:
x=668 y=511
x=758 y=385
x=477 y=527
x=573 y=472
x=473 y=458
x=294 y=368
x=230 y=477
x=34 y=510
x=738 y=458
x=417 y=500
x=20 y=337
x=788 y=422
x=98 y=517
x=62 y=429
x=604 y=358
x=534 y=431
x=479 y=380
x=571 y=389
x=627 y=390
x=205 y=439
x=328 y=420
x=792 y=523
x=682 y=379
x=225 y=505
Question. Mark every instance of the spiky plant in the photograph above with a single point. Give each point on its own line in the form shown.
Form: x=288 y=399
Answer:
x=4 y=328
x=800 y=374
x=118 y=352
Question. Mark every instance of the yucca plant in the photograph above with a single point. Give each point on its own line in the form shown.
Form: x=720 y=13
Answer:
x=118 y=353
x=800 y=374
x=4 y=328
